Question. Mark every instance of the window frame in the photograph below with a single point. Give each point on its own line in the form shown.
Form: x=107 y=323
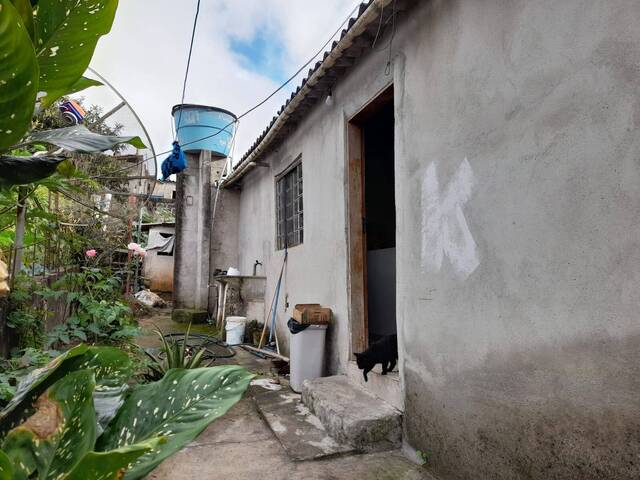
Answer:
x=289 y=202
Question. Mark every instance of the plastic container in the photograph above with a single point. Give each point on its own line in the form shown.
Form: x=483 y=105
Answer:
x=306 y=355
x=201 y=127
x=235 y=330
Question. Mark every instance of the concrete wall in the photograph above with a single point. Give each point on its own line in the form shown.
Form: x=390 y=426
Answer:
x=518 y=232
x=518 y=267
x=165 y=189
x=316 y=270
x=224 y=231
x=193 y=233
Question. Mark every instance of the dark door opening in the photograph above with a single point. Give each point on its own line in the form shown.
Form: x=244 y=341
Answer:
x=372 y=221
x=380 y=222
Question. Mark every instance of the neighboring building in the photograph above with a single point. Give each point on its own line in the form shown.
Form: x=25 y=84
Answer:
x=157 y=267
x=473 y=185
x=141 y=182
x=164 y=190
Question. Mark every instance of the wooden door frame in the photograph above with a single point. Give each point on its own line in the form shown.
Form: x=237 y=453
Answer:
x=357 y=240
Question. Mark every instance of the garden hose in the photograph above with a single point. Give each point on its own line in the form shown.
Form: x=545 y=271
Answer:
x=208 y=342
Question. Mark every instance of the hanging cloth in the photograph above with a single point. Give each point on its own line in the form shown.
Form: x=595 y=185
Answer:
x=174 y=163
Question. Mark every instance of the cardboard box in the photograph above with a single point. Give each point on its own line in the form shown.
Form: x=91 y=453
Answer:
x=312 y=314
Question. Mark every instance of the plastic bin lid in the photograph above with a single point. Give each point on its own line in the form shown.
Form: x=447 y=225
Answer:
x=236 y=319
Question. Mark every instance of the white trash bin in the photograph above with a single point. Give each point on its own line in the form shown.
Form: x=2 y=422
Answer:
x=235 y=330
x=306 y=354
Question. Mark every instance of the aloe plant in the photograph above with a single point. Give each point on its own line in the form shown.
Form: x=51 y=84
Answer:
x=61 y=439
x=176 y=353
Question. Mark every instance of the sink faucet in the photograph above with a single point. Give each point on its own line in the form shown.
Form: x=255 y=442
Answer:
x=255 y=267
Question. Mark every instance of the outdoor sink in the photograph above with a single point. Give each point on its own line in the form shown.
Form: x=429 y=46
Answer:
x=244 y=295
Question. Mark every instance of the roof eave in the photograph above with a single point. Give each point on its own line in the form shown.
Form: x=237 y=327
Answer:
x=369 y=15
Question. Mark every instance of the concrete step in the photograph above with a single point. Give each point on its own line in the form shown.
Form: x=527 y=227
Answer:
x=386 y=387
x=351 y=415
x=300 y=433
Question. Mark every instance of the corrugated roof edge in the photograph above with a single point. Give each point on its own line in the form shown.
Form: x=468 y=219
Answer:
x=368 y=13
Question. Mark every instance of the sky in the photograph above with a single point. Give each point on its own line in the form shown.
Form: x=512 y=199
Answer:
x=243 y=50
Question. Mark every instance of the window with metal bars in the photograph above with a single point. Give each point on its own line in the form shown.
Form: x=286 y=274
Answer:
x=289 y=211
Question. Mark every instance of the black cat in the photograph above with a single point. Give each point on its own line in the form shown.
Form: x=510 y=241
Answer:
x=384 y=351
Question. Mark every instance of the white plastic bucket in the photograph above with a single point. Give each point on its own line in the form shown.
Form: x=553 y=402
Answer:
x=235 y=330
x=306 y=355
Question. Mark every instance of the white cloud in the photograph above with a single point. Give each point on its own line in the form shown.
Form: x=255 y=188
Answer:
x=145 y=54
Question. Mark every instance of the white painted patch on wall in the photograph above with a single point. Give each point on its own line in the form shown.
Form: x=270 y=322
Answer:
x=444 y=227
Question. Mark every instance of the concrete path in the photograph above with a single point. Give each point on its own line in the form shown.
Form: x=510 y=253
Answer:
x=242 y=446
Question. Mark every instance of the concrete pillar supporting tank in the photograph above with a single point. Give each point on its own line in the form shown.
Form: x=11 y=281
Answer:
x=192 y=239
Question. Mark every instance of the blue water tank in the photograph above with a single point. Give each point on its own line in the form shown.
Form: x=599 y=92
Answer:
x=201 y=127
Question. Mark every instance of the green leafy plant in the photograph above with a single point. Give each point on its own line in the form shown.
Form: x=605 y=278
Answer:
x=100 y=313
x=179 y=407
x=423 y=457
x=28 y=325
x=7 y=387
x=18 y=366
x=57 y=440
x=23 y=318
x=174 y=353
x=19 y=74
x=53 y=425
x=45 y=48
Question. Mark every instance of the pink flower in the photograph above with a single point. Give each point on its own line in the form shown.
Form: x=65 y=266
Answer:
x=91 y=253
x=136 y=249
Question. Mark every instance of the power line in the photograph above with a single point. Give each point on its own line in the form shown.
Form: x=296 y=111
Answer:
x=186 y=73
x=259 y=104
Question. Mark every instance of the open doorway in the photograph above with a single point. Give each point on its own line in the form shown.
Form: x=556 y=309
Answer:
x=372 y=230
